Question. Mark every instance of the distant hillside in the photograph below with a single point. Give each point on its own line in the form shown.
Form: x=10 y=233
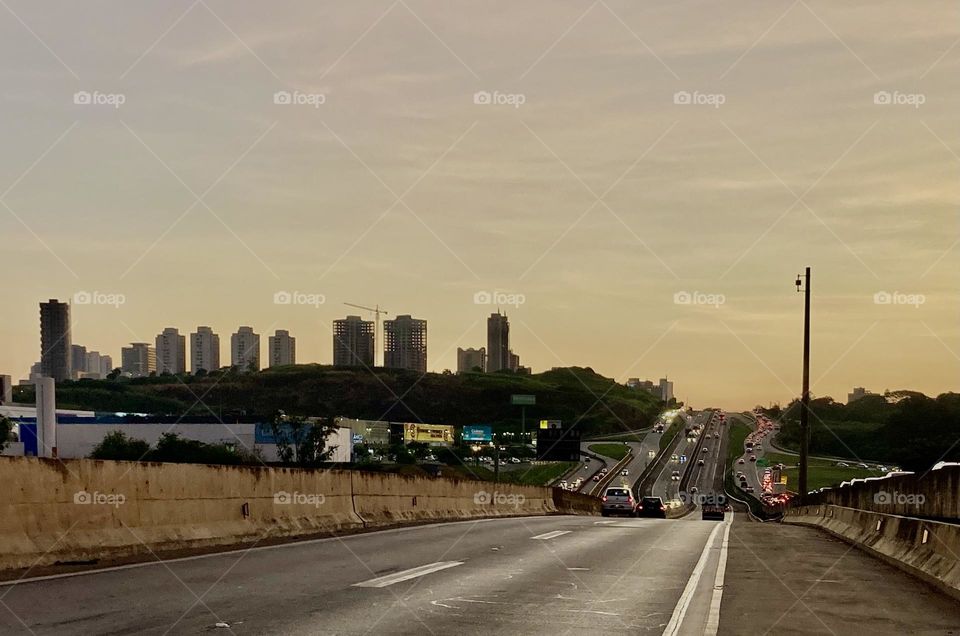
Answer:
x=566 y=394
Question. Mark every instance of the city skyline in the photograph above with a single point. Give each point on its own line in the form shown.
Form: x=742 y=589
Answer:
x=651 y=216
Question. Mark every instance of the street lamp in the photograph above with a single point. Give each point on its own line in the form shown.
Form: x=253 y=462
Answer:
x=803 y=284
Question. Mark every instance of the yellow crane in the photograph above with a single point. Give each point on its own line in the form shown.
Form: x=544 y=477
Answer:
x=376 y=328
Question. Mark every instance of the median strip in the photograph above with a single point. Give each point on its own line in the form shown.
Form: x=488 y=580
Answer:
x=406 y=575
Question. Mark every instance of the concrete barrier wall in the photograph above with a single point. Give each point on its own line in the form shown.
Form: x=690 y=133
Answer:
x=80 y=510
x=929 y=550
x=575 y=503
x=935 y=494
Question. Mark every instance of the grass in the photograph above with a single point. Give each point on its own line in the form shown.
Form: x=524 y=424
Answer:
x=615 y=451
x=738 y=433
x=620 y=437
x=539 y=475
x=820 y=472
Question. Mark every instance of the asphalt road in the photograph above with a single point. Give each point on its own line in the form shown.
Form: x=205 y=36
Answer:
x=534 y=575
x=664 y=487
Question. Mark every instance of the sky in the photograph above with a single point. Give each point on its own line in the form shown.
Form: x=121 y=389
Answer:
x=638 y=184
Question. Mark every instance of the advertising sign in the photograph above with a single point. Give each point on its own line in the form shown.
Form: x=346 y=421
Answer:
x=523 y=400
x=477 y=434
x=434 y=434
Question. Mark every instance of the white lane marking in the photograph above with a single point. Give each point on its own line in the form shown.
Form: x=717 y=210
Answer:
x=683 y=604
x=406 y=575
x=546 y=536
x=579 y=569
x=603 y=523
x=713 y=621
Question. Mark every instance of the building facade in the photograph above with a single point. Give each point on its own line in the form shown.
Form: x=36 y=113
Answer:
x=171 y=352
x=204 y=350
x=405 y=344
x=498 y=342
x=471 y=359
x=55 y=340
x=282 y=349
x=138 y=360
x=353 y=342
x=245 y=349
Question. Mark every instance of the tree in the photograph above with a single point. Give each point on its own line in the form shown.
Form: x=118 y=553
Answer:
x=6 y=432
x=301 y=442
x=118 y=446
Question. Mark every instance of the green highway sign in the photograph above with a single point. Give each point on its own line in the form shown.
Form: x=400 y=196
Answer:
x=523 y=400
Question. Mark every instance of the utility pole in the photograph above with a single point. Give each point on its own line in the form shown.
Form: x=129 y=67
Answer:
x=805 y=396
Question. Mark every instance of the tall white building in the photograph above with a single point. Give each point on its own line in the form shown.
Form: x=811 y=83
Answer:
x=106 y=365
x=204 y=350
x=171 y=352
x=282 y=349
x=666 y=390
x=245 y=349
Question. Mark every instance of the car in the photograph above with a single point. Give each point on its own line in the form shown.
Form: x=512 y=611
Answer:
x=716 y=435
x=624 y=472
x=596 y=478
x=699 y=462
x=842 y=464
x=651 y=453
x=617 y=500
x=740 y=461
x=749 y=489
x=712 y=512
x=603 y=471
x=753 y=458
x=705 y=449
x=652 y=507
x=693 y=490
x=862 y=465
x=675 y=475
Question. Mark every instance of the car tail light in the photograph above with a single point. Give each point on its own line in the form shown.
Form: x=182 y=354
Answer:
x=630 y=501
x=604 y=498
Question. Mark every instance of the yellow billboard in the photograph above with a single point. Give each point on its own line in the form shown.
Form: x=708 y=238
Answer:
x=436 y=434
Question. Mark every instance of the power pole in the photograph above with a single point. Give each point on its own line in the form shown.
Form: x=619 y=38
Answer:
x=805 y=396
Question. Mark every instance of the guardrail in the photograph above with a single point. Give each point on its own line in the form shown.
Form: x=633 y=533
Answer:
x=653 y=469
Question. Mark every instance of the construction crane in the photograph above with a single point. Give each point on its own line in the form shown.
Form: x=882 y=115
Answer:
x=376 y=327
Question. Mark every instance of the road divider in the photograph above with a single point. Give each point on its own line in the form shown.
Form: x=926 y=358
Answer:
x=88 y=511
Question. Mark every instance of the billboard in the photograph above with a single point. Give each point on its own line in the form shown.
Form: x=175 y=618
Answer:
x=477 y=434
x=434 y=434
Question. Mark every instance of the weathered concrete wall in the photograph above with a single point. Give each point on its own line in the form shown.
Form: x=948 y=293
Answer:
x=78 y=510
x=935 y=494
x=929 y=550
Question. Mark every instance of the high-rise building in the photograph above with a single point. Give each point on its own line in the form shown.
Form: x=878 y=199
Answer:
x=353 y=342
x=171 y=351
x=92 y=368
x=405 y=344
x=106 y=365
x=498 y=342
x=55 y=340
x=245 y=349
x=282 y=349
x=666 y=390
x=78 y=361
x=204 y=350
x=471 y=359
x=513 y=361
x=138 y=360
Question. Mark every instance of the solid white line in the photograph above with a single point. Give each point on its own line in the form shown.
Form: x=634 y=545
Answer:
x=683 y=604
x=713 y=621
x=551 y=535
x=406 y=575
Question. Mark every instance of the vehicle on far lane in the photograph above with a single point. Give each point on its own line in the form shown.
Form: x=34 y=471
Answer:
x=699 y=462
x=617 y=501
x=652 y=507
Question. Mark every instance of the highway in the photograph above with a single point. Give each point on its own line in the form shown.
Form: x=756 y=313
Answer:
x=533 y=575
x=664 y=486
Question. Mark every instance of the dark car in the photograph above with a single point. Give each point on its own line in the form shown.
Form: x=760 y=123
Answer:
x=617 y=501
x=652 y=507
x=712 y=512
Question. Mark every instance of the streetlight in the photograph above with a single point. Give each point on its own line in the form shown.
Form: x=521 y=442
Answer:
x=805 y=396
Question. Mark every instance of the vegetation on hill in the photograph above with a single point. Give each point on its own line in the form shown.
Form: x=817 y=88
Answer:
x=570 y=394
x=904 y=428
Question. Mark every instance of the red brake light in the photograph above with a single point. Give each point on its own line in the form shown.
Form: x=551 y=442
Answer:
x=604 y=498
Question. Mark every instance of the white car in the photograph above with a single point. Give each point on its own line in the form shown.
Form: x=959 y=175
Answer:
x=624 y=472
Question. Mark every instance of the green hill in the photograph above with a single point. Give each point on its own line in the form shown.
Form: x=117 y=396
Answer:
x=567 y=394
